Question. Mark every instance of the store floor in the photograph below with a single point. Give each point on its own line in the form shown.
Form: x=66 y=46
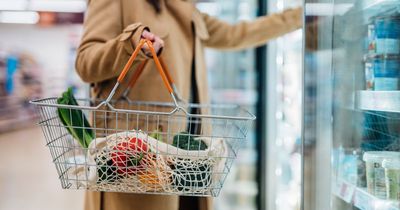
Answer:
x=28 y=179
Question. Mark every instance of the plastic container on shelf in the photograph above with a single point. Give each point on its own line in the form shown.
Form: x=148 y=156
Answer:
x=347 y=165
x=375 y=173
x=371 y=39
x=392 y=178
x=382 y=72
x=369 y=76
x=387 y=30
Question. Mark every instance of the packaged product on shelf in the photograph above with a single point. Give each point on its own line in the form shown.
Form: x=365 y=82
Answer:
x=369 y=76
x=347 y=164
x=376 y=183
x=392 y=178
x=371 y=39
x=361 y=171
x=387 y=29
x=382 y=72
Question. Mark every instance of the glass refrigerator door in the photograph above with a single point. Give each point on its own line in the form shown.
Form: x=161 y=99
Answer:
x=351 y=111
x=233 y=79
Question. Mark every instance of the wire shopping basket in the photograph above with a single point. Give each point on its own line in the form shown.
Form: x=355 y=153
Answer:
x=143 y=147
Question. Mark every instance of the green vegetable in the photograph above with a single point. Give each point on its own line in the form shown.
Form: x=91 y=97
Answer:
x=186 y=141
x=157 y=134
x=74 y=120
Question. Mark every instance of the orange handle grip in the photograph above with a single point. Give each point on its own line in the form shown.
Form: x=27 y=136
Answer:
x=166 y=79
x=128 y=65
x=140 y=69
x=137 y=73
x=159 y=66
x=167 y=72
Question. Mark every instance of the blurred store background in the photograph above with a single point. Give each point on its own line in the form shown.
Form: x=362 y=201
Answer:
x=38 y=39
x=327 y=101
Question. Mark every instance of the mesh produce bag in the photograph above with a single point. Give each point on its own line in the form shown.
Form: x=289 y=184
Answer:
x=135 y=162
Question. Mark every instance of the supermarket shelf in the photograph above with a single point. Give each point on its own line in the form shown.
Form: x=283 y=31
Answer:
x=368 y=8
x=385 y=101
x=361 y=199
x=373 y=8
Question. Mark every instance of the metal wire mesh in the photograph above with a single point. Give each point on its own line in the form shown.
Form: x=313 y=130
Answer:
x=142 y=152
x=381 y=131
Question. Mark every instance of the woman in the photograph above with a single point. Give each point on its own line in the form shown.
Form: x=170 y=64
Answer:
x=179 y=33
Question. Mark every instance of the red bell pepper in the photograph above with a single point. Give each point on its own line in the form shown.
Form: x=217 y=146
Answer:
x=127 y=156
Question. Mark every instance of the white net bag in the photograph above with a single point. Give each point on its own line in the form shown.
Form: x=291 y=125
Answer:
x=135 y=162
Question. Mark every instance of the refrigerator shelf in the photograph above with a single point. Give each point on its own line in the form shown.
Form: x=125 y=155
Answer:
x=371 y=8
x=360 y=198
x=384 y=101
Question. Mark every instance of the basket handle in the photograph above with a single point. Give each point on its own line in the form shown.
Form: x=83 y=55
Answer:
x=137 y=74
x=140 y=68
x=160 y=65
x=156 y=60
x=139 y=71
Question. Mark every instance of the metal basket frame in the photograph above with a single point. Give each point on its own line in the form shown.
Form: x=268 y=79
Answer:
x=167 y=170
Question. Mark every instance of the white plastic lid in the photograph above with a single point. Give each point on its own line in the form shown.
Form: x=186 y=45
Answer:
x=391 y=163
x=379 y=156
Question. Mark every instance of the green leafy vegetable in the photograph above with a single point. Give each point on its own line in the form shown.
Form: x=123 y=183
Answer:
x=74 y=120
x=157 y=134
x=186 y=141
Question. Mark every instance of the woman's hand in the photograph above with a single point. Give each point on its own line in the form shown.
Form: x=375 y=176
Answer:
x=158 y=43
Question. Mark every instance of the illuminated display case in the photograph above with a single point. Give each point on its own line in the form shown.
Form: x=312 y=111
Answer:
x=351 y=135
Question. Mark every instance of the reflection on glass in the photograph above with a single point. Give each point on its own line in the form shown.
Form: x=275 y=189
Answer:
x=232 y=78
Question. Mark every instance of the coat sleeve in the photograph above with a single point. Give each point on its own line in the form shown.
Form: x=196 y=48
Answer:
x=106 y=45
x=223 y=35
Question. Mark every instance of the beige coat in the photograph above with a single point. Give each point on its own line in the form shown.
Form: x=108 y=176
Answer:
x=106 y=46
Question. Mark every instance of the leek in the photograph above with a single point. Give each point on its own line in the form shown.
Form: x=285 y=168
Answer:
x=74 y=120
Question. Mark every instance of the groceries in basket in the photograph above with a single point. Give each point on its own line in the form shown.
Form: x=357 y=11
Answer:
x=141 y=146
x=135 y=161
x=120 y=162
x=74 y=119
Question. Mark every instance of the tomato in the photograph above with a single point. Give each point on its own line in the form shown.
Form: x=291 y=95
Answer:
x=127 y=156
